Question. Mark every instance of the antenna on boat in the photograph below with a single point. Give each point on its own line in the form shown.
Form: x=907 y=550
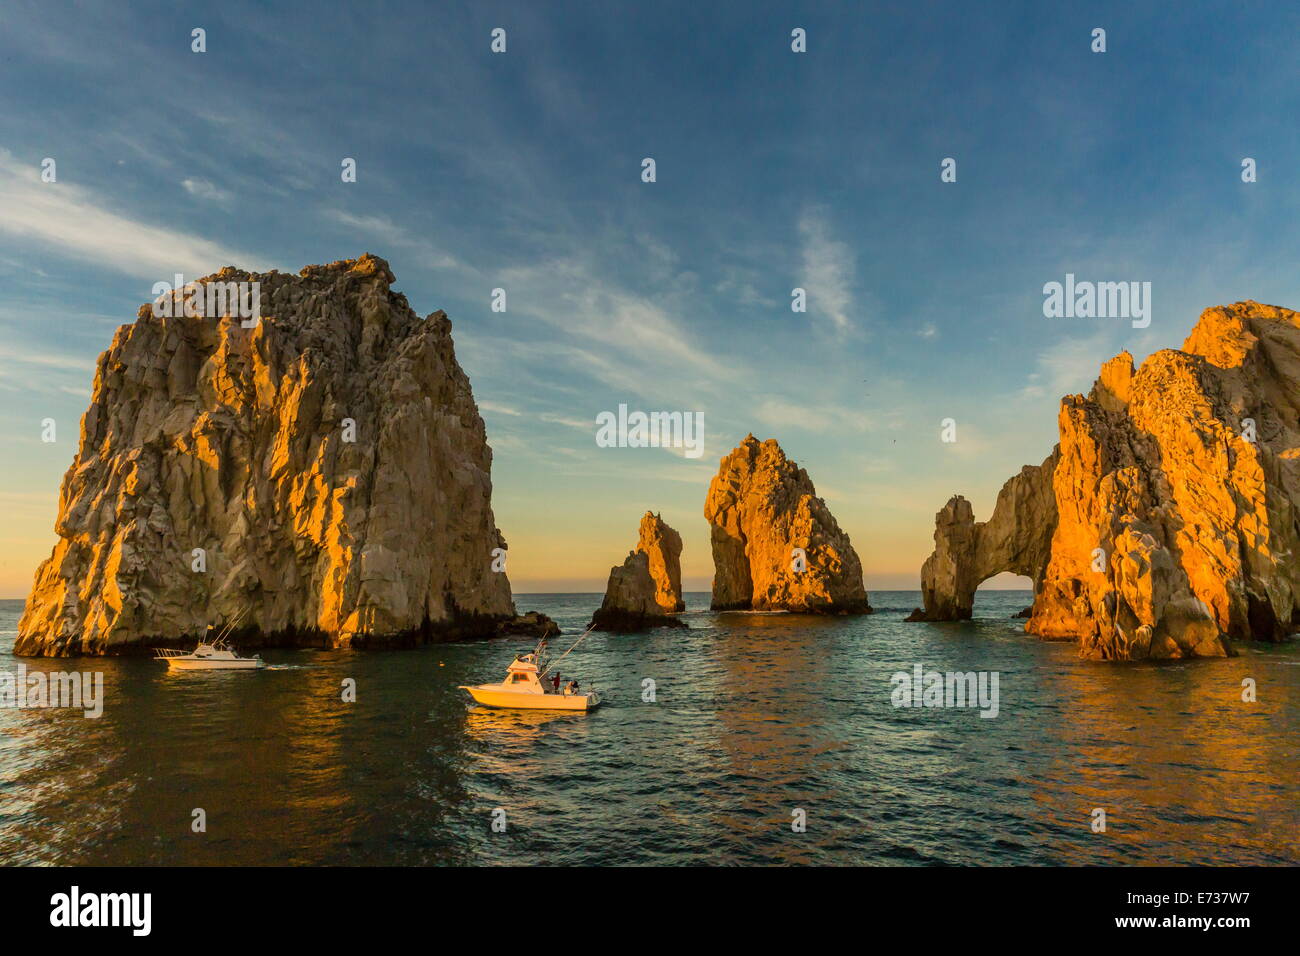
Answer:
x=589 y=629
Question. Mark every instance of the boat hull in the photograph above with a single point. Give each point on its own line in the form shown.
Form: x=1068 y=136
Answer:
x=243 y=664
x=514 y=700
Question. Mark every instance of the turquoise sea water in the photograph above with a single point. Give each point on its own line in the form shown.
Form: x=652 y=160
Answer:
x=756 y=716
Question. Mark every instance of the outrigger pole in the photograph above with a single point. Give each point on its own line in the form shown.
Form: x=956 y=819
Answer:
x=566 y=653
x=230 y=625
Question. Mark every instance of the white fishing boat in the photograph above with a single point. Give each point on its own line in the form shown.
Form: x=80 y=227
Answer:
x=526 y=686
x=212 y=654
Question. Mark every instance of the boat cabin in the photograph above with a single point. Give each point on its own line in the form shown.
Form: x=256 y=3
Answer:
x=523 y=675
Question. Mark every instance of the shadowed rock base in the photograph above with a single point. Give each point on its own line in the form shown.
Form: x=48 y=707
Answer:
x=471 y=627
x=919 y=615
x=626 y=622
x=530 y=624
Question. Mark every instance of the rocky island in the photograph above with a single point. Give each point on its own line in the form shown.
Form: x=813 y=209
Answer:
x=1165 y=524
x=645 y=591
x=776 y=546
x=323 y=471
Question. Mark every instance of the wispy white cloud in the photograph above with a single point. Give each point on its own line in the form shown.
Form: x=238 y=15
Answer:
x=971 y=442
x=627 y=340
x=392 y=234
x=45 y=357
x=499 y=409
x=1067 y=367
x=70 y=220
x=205 y=190
x=820 y=417
x=828 y=270
x=746 y=288
x=568 y=422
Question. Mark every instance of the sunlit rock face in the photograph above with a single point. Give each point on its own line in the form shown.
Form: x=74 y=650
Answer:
x=329 y=461
x=631 y=599
x=663 y=548
x=1176 y=526
x=645 y=591
x=776 y=546
x=1016 y=538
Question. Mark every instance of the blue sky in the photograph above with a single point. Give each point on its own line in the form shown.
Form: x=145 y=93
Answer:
x=774 y=170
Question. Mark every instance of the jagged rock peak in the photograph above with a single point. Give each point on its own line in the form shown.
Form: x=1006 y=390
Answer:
x=776 y=546
x=323 y=470
x=646 y=590
x=663 y=547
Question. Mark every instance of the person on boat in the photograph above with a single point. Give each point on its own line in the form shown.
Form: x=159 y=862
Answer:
x=555 y=682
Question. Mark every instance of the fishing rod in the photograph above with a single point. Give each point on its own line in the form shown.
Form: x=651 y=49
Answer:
x=235 y=622
x=230 y=625
x=569 y=651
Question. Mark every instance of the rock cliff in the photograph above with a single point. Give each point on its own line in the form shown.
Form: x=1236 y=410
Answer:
x=631 y=599
x=645 y=591
x=776 y=545
x=1175 y=526
x=663 y=547
x=324 y=470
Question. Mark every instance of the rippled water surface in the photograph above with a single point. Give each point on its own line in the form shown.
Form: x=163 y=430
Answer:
x=756 y=715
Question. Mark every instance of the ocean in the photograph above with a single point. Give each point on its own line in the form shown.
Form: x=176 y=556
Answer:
x=759 y=739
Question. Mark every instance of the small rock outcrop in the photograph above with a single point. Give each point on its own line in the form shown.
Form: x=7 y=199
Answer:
x=323 y=472
x=1176 y=487
x=631 y=602
x=529 y=624
x=776 y=546
x=663 y=546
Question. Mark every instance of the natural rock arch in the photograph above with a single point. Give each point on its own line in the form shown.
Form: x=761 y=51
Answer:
x=1017 y=538
x=1176 y=502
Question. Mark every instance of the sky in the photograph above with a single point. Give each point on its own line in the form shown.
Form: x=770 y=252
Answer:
x=775 y=170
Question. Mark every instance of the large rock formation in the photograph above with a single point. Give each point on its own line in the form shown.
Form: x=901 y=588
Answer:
x=325 y=472
x=1176 y=526
x=776 y=546
x=663 y=546
x=645 y=591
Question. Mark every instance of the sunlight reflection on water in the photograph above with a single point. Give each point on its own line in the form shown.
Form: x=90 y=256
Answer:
x=756 y=716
